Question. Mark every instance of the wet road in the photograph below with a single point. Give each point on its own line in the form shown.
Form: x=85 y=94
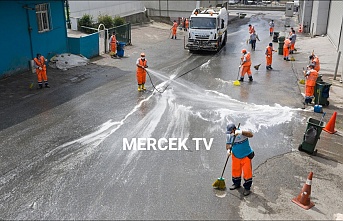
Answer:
x=68 y=162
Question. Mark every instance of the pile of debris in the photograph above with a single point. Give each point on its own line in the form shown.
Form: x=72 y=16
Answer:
x=66 y=61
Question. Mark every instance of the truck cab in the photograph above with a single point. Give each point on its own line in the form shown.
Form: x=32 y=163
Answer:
x=207 y=29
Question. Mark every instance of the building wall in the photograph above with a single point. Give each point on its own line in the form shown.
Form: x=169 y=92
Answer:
x=306 y=16
x=319 y=18
x=111 y=8
x=20 y=34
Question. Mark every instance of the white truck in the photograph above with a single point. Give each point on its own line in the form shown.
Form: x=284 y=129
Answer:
x=207 y=29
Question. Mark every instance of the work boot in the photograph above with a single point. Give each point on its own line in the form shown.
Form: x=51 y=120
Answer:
x=139 y=87
x=233 y=187
x=250 y=78
x=246 y=192
x=241 y=79
x=267 y=67
x=40 y=86
x=47 y=86
x=143 y=88
x=270 y=67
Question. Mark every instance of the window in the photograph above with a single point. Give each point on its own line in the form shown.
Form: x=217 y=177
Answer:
x=42 y=14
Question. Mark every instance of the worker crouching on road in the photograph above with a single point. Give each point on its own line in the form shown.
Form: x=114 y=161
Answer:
x=242 y=154
x=269 y=56
x=141 y=64
x=245 y=65
x=41 y=71
x=311 y=76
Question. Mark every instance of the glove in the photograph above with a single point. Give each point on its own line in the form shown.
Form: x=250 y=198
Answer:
x=239 y=66
x=229 y=151
x=268 y=56
x=40 y=68
x=238 y=132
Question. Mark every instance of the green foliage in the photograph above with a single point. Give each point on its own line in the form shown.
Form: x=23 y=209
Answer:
x=86 y=20
x=118 y=21
x=106 y=20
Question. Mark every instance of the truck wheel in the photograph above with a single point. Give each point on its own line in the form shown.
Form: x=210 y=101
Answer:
x=225 y=39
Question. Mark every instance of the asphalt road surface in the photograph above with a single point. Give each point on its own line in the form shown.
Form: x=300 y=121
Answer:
x=62 y=151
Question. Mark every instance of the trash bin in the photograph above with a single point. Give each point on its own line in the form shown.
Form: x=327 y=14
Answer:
x=120 y=49
x=311 y=135
x=321 y=93
x=275 y=36
x=281 y=41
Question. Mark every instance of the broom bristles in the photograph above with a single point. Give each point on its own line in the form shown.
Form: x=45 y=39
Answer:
x=219 y=184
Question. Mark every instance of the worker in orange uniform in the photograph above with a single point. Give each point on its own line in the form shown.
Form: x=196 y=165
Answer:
x=41 y=71
x=242 y=154
x=245 y=65
x=251 y=29
x=286 y=47
x=114 y=45
x=186 y=24
x=174 y=29
x=141 y=64
x=269 y=56
x=311 y=76
x=315 y=60
x=271 y=27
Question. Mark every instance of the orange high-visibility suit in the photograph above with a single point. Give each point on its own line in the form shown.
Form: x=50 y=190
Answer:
x=286 y=46
x=186 y=24
x=311 y=78
x=271 y=28
x=316 y=63
x=246 y=64
x=174 y=29
x=269 y=56
x=41 y=70
x=113 y=44
x=141 y=72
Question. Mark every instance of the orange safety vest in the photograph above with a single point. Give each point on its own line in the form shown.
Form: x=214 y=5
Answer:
x=251 y=29
x=142 y=63
x=269 y=51
x=247 y=60
x=41 y=62
x=187 y=23
x=316 y=63
x=113 y=39
x=287 y=43
x=312 y=78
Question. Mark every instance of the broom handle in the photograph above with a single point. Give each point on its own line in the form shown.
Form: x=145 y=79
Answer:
x=228 y=156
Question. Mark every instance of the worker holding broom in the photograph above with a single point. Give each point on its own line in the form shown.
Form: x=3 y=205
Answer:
x=311 y=76
x=237 y=142
x=245 y=65
x=269 y=56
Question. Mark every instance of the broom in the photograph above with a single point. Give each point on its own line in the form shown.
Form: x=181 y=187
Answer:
x=236 y=82
x=220 y=182
x=257 y=66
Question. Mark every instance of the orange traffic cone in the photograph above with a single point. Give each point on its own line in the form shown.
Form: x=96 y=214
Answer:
x=300 y=28
x=303 y=199
x=330 y=127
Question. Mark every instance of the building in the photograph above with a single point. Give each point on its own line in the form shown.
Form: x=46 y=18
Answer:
x=31 y=27
x=319 y=17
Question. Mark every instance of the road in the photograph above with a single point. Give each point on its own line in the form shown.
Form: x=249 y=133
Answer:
x=62 y=151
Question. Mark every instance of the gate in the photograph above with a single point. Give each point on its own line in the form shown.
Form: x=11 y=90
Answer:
x=102 y=39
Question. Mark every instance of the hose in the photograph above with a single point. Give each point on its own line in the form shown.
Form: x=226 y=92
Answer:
x=179 y=75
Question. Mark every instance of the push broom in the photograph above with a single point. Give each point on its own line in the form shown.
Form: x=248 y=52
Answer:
x=220 y=182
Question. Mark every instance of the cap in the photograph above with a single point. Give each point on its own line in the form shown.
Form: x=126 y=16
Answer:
x=142 y=54
x=230 y=127
x=270 y=44
x=244 y=51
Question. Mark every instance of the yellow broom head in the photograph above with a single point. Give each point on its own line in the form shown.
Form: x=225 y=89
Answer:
x=219 y=184
x=31 y=86
x=236 y=83
x=302 y=81
x=292 y=58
